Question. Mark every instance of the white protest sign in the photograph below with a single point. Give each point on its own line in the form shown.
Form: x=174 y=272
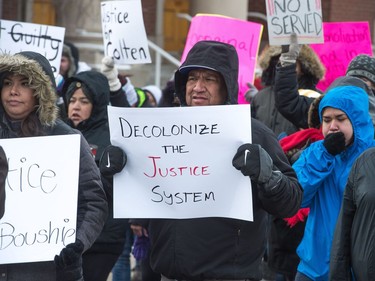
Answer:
x=124 y=33
x=180 y=162
x=303 y=17
x=41 y=197
x=46 y=40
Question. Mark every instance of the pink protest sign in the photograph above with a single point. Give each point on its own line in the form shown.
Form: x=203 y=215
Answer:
x=342 y=42
x=243 y=35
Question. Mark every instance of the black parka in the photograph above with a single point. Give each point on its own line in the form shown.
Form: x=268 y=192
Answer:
x=353 y=244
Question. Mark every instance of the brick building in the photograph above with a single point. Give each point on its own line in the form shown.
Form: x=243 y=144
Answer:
x=333 y=11
x=81 y=19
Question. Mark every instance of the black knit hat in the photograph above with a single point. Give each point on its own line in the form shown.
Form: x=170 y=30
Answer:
x=362 y=66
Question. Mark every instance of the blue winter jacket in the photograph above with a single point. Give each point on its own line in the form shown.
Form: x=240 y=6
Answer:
x=323 y=178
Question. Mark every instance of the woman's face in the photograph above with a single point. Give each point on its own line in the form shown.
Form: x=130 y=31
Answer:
x=334 y=121
x=17 y=97
x=79 y=108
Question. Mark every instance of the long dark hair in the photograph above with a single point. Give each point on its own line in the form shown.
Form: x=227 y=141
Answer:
x=31 y=126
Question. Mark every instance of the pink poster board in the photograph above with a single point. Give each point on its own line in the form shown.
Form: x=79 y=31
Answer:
x=243 y=35
x=342 y=42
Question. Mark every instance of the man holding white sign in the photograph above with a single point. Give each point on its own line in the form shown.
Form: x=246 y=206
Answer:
x=223 y=248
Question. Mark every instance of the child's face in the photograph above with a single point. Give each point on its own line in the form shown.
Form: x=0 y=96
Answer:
x=334 y=121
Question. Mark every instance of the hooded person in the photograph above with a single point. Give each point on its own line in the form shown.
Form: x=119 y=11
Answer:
x=68 y=67
x=28 y=109
x=87 y=96
x=286 y=233
x=352 y=253
x=70 y=59
x=323 y=170
x=95 y=129
x=222 y=248
x=154 y=94
x=304 y=74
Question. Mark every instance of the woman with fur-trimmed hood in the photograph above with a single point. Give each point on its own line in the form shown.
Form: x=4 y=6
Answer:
x=305 y=74
x=28 y=109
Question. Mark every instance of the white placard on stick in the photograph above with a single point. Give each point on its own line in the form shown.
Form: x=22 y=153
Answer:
x=124 y=33
x=303 y=17
x=41 y=197
x=180 y=162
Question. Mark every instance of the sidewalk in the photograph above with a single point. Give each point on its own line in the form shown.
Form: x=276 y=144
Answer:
x=132 y=264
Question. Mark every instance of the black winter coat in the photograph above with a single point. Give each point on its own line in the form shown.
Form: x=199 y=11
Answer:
x=288 y=102
x=223 y=248
x=353 y=246
x=179 y=247
x=263 y=109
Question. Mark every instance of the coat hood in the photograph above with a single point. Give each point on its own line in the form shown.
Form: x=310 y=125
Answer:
x=307 y=57
x=39 y=71
x=98 y=93
x=212 y=55
x=72 y=53
x=355 y=103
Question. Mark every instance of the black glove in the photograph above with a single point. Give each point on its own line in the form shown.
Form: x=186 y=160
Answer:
x=334 y=143
x=112 y=161
x=252 y=160
x=69 y=262
x=247 y=160
x=289 y=55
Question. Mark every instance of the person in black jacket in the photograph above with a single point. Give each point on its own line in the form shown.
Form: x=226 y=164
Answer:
x=28 y=109
x=301 y=77
x=223 y=248
x=3 y=175
x=352 y=252
x=87 y=95
x=295 y=107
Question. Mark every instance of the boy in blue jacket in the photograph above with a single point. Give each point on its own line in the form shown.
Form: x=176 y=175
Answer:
x=323 y=169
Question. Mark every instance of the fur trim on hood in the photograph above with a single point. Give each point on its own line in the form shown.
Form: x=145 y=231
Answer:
x=37 y=68
x=307 y=57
